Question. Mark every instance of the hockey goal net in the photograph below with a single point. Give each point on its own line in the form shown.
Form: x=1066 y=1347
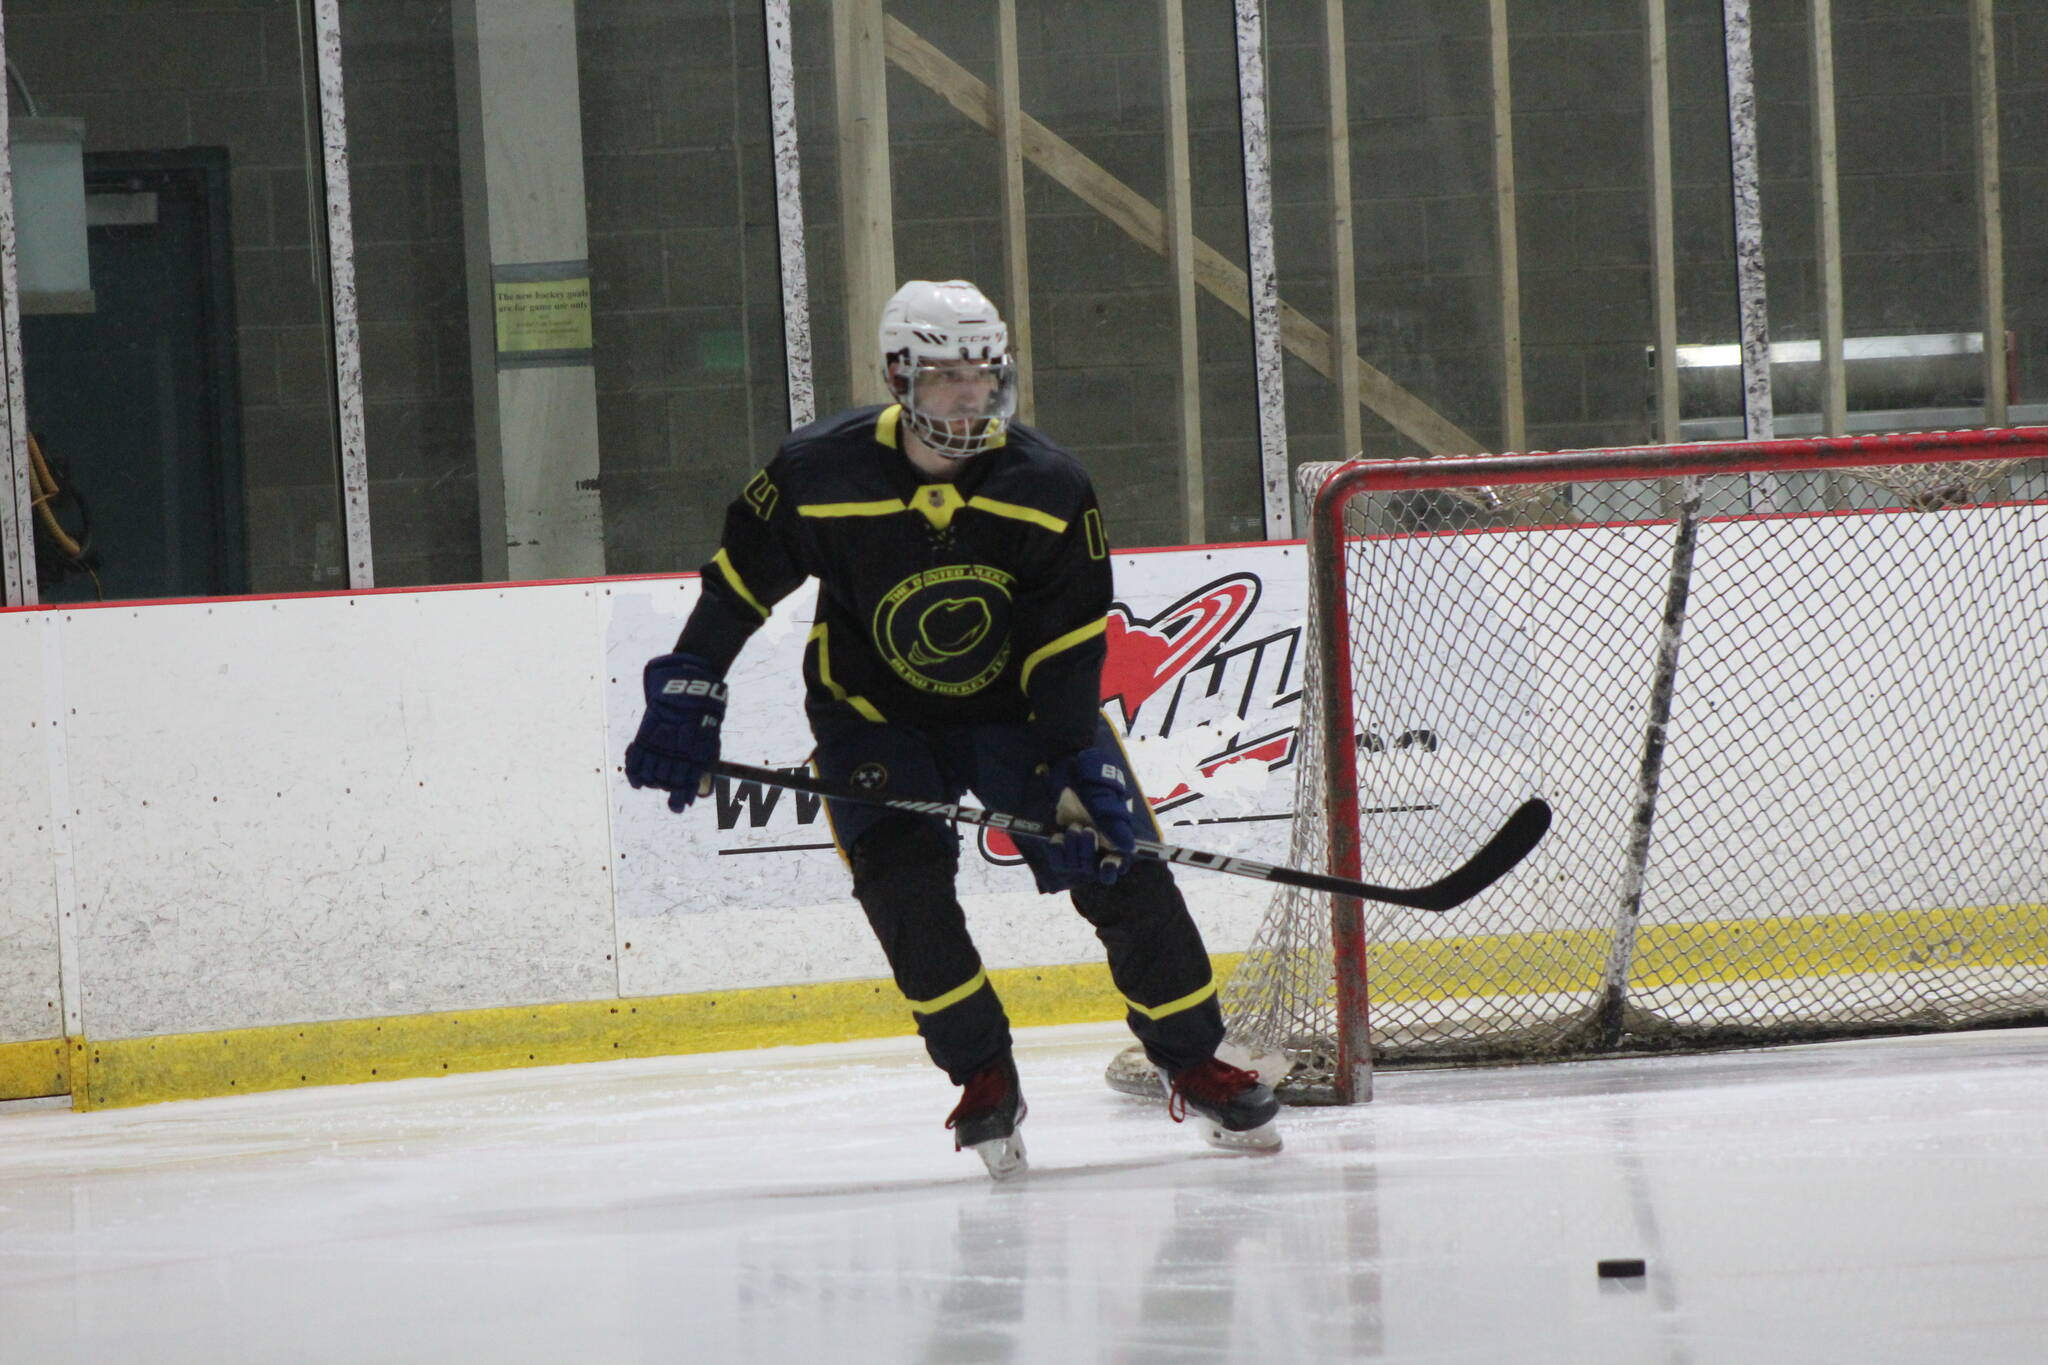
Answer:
x=1788 y=700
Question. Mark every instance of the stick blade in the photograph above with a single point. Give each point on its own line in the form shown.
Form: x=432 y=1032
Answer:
x=1511 y=843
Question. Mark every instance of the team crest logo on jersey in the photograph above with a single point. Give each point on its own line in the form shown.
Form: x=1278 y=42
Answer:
x=869 y=778
x=946 y=630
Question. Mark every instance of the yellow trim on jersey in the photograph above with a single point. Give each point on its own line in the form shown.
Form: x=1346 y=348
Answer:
x=732 y=577
x=938 y=502
x=1019 y=512
x=883 y=508
x=1079 y=635
x=1186 y=1002
x=957 y=994
x=861 y=704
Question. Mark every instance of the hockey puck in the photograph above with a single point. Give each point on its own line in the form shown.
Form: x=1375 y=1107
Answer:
x=1624 y=1269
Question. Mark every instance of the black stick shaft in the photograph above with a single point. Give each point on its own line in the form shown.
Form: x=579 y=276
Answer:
x=1505 y=849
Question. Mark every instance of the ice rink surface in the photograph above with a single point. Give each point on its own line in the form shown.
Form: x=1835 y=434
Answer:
x=1878 y=1201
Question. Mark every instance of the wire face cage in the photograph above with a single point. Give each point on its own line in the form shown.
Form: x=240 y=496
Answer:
x=1789 y=702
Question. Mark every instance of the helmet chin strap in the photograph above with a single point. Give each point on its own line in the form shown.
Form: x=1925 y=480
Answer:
x=934 y=436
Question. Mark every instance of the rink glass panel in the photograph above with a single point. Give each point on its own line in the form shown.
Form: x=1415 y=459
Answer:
x=405 y=164
x=1104 y=349
x=189 y=401
x=687 y=310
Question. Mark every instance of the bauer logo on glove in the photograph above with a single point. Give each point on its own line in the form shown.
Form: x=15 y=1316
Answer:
x=678 y=739
x=694 y=687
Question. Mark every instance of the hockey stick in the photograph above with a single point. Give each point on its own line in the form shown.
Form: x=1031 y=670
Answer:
x=1509 y=845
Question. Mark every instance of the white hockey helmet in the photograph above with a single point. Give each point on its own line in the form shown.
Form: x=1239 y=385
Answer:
x=946 y=358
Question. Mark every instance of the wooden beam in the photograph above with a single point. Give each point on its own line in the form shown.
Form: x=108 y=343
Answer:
x=1343 y=258
x=1827 y=207
x=866 y=217
x=1663 y=233
x=1180 y=260
x=1143 y=221
x=1990 y=219
x=1016 y=241
x=1514 y=429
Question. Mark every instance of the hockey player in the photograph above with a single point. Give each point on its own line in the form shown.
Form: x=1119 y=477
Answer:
x=964 y=584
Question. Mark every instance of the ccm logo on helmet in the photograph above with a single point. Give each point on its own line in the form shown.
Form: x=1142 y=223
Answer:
x=693 y=687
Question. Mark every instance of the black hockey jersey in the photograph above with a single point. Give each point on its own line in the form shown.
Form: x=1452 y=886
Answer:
x=979 y=600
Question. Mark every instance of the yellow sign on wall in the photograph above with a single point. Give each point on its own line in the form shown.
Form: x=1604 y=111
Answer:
x=543 y=321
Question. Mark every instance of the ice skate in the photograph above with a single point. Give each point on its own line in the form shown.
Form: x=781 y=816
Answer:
x=987 y=1118
x=1233 y=1110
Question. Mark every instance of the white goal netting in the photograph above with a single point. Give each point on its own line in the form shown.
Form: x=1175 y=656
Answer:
x=1794 y=726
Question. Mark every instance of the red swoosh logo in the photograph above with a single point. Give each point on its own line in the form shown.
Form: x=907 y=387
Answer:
x=1146 y=656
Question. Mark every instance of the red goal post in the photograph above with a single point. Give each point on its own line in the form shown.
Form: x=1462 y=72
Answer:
x=1789 y=700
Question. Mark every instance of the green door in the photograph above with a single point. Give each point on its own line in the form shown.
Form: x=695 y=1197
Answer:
x=135 y=403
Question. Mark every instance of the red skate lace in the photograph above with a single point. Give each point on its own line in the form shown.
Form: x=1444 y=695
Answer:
x=1212 y=1080
x=984 y=1090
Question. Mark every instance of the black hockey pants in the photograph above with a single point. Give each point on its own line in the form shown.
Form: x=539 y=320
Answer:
x=904 y=867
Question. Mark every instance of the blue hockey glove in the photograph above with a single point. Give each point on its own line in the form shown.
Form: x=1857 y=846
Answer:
x=1092 y=807
x=678 y=739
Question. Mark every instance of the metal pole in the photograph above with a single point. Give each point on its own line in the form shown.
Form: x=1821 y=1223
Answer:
x=1264 y=276
x=341 y=278
x=789 y=215
x=1746 y=182
x=1329 y=608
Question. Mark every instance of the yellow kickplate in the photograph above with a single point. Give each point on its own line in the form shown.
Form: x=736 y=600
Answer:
x=32 y=1070
x=116 y=1072
x=130 y=1071
x=1773 y=947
